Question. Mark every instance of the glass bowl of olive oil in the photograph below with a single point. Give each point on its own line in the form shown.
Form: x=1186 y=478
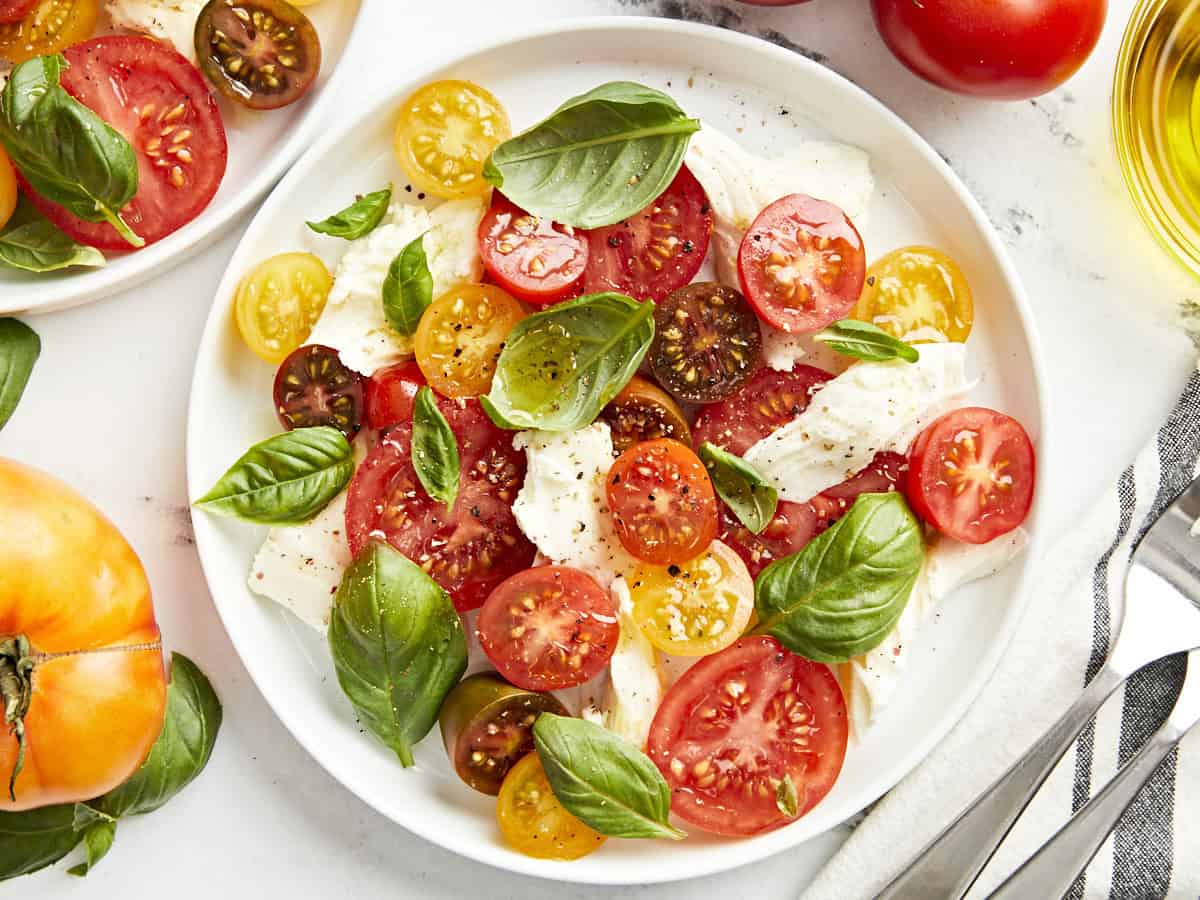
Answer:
x=1156 y=121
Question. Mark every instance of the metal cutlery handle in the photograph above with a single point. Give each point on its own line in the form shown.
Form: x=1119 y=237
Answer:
x=949 y=865
x=1054 y=868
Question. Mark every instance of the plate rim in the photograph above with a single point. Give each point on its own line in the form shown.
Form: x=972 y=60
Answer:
x=758 y=848
x=96 y=284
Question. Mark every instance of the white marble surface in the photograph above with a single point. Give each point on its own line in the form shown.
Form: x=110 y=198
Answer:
x=106 y=412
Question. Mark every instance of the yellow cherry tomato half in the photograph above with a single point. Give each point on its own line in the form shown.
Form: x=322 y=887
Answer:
x=278 y=303
x=918 y=294
x=50 y=27
x=8 y=189
x=697 y=608
x=446 y=131
x=532 y=820
x=460 y=338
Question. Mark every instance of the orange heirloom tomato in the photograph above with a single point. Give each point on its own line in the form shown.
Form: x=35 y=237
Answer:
x=81 y=672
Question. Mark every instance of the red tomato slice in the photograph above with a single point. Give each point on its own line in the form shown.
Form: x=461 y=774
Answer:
x=656 y=251
x=768 y=400
x=473 y=547
x=391 y=393
x=801 y=264
x=548 y=628
x=663 y=504
x=884 y=475
x=532 y=258
x=160 y=103
x=971 y=474
x=736 y=723
x=15 y=10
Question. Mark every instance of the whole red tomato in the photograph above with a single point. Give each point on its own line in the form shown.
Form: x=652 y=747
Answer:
x=1002 y=49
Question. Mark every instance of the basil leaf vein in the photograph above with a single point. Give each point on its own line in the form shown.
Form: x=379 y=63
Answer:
x=603 y=780
x=286 y=479
x=434 y=449
x=19 y=350
x=844 y=592
x=862 y=340
x=744 y=489
x=599 y=158
x=398 y=646
x=560 y=367
x=31 y=243
x=408 y=288
x=358 y=219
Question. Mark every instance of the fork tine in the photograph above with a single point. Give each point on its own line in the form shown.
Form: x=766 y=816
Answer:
x=1169 y=547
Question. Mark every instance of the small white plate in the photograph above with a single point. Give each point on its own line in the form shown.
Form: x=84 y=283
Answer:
x=261 y=147
x=767 y=97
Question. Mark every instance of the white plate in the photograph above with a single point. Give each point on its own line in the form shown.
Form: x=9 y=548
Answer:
x=766 y=97
x=261 y=147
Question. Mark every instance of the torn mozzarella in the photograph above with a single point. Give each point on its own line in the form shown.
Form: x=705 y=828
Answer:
x=635 y=688
x=173 y=21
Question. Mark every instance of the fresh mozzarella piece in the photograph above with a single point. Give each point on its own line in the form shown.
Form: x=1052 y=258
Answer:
x=173 y=21
x=562 y=506
x=782 y=351
x=870 y=407
x=353 y=322
x=870 y=681
x=301 y=566
x=635 y=687
x=740 y=184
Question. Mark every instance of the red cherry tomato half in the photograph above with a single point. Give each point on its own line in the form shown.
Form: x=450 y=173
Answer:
x=15 y=10
x=656 y=251
x=160 y=103
x=801 y=264
x=548 y=628
x=1003 y=49
x=971 y=474
x=391 y=393
x=738 y=722
x=313 y=387
x=769 y=400
x=475 y=545
x=532 y=258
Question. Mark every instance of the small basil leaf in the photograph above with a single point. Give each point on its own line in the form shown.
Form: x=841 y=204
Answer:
x=66 y=152
x=30 y=242
x=560 y=367
x=434 y=449
x=358 y=219
x=286 y=479
x=398 y=646
x=603 y=780
x=37 y=838
x=787 y=801
x=182 y=750
x=862 y=340
x=743 y=488
x=19 y=350
x=598 y=159
x=843 y=593
x=408 y=288
x=97 y=841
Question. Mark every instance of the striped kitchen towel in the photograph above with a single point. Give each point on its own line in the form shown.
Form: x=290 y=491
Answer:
x=1062 y=641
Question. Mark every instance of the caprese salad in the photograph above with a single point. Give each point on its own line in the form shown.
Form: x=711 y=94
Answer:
x=615 y=416
x=111 y=134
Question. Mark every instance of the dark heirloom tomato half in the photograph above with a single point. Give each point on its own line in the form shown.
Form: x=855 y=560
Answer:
x=487 y=726
x=801 y=264
x=769 y=399
x=549 y=628
x=312 y=387
x=262 y=53
x=740 y=721
x=644 y=412
x=477 y=544
x=532 y=258
x=707 y=342
x=391 y=393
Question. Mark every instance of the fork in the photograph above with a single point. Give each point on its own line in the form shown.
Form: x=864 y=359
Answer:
x=1161 y=616
x=1053 y=869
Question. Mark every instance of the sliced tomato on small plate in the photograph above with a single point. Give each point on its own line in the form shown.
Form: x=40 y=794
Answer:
x=532 y=258
x=740 y=721
x=768 y=400
x=391 y=393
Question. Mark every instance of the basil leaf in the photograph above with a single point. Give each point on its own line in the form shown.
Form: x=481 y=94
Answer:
x=843 y=593
x=66 y=152
x=787 y=800
x=286 y=479
x=862 y=340
x=560 y=367
x=37 y=838
x=358 y=219
x=31 y=243
x=97 y=841
x=603 y=780
x=19 y=350
x=182 y=750
x=434 y=449
x=743 y=488
x=408 y=288
x=599 y=158
x=398 y=646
